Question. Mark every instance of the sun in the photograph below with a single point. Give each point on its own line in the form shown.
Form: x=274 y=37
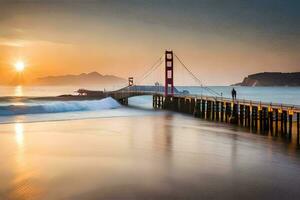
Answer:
x=19 y=66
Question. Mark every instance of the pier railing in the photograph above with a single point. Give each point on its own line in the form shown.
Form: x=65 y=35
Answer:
x=270 y=105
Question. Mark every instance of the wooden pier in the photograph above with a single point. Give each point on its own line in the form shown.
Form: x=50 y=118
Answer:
x=256 y=116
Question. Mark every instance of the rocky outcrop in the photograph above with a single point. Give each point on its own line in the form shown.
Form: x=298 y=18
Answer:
x=272 y=79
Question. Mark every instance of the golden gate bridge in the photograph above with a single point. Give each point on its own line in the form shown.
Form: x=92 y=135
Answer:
x=265 y=117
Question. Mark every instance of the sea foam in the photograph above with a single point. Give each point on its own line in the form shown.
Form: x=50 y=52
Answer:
x=58 y=106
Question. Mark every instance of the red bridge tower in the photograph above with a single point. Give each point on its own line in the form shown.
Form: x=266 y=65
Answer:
x=169 y=76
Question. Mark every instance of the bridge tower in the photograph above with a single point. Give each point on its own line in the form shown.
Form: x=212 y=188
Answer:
x=169 y=73
x=130 y=81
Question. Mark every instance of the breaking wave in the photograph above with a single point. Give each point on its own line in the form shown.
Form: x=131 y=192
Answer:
x=58 y=107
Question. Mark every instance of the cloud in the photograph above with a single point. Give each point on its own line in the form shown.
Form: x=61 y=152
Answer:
x=16 y=37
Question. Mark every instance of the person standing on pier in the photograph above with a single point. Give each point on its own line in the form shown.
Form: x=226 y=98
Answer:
x=233 y=93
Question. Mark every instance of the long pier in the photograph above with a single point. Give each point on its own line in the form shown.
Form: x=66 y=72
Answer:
x=254 y=115
x=264 y=117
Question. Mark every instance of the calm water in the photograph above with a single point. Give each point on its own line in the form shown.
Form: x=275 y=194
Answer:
x=102 y=150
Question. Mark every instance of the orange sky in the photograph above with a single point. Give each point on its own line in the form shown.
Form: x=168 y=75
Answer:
x=125 y=39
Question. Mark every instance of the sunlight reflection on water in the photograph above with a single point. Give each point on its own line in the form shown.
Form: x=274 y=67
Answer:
x=18 y=91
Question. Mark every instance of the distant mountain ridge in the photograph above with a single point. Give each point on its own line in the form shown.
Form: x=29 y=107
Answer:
x=272 y=79
x=93 y=78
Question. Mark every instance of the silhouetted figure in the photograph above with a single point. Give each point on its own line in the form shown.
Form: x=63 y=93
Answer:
x=233 y=93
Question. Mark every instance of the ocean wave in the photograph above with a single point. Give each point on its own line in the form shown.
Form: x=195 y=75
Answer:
x=58 y=107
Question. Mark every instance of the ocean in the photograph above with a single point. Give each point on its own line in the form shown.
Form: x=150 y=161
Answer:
x=13 y=108
x=99 y=149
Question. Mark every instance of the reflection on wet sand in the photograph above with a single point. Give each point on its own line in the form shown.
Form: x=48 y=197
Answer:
x=167 y=156
x=22 y=185
x=19 y=135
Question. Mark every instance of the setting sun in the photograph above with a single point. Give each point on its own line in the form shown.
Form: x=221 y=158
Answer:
x=19 y=66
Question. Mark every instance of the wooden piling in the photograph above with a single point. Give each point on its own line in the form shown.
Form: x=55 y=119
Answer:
x=181 y=104
x=255 y=108
x=213 y=110
x=276 y=121
x=186 y=105
x=253 y=117
x=222 y=111
x=265 y=119
x=270 y=114
x=281 y=122
x=248 y=114
x=203 y=108
x=242 y=111
x=217 y=110
x=285 y=122
x=208 y=110
x=193 y=105
x=227 y=111
x=175 y=103
x=235 y=114
x=298 y=132
x=260 y=115
x=290 y=125
x=197 y=108
x=245 y=116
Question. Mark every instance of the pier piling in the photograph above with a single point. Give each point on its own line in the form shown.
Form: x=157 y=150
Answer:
x=260 y=119
x=193 y=105
x=217 y=110
x=270 y=114
x=213 y=111
x=290 y=125
x=285 y=122
x=298 y=119
x=203 y=102
x=276 y=121
x=242 y=114
x=222 y=111
x=208 y=110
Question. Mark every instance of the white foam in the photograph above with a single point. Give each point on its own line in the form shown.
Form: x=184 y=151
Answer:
x=59 y=106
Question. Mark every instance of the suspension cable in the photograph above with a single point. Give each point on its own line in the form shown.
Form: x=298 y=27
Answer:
x=152 y=70
x=153 y=67
x=196 y=78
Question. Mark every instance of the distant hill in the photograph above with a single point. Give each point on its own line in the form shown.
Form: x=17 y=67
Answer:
x=93 y=78
x=272 y=79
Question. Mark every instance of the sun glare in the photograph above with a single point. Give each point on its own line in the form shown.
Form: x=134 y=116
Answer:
x=19 y=66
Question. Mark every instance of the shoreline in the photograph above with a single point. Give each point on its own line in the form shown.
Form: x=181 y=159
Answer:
x=172 y=152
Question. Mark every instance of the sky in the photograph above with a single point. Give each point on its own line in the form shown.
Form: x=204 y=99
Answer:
x=220 y=41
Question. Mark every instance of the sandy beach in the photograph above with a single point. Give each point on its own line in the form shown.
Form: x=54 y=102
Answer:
x=161 y=156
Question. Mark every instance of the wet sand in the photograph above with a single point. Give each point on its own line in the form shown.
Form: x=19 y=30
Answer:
x=167 y=156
